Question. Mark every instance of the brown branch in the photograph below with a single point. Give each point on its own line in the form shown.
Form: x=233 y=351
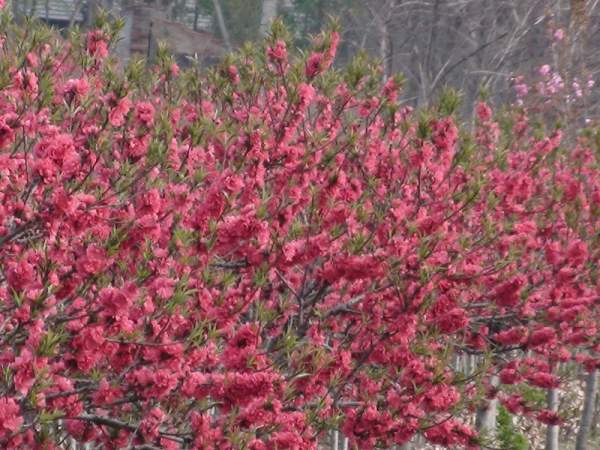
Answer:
x=115 y=423
x=470 y=55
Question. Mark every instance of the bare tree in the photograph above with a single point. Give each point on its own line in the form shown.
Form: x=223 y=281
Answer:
x=269 y=11
x=222 y=25
x=76 y=9
x=587 y=414
x=468 y=44
x=552 y=430
x=383 y=16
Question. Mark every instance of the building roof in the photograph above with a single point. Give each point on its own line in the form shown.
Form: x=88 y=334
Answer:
x=55 y=10
x=63 y=10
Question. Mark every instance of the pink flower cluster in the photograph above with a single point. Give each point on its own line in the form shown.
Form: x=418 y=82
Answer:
x=250 y=259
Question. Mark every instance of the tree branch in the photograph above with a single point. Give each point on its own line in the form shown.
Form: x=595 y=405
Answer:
x=115 y=423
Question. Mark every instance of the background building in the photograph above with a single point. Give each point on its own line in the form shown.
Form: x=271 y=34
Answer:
x=187 y=31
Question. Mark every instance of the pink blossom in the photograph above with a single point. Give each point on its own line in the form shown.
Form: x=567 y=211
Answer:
x=144 y=112
x=97 y=44
x=509 y=376
x=549 y=417
x=521 y=89
x=544 y=70
x=559 y=35
x=233 y=73
x=543 y=380
x=278 y=52
x=484 y=112
x=10 y=417
x=77 y=86
x=542 y=336
x=118 y=113
x=150 y=424
x=313 y=65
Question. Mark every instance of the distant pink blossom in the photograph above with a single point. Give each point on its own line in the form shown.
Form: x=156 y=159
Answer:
x=544 y=70
x=559 y=35
x=555 y=84
x=521 y=90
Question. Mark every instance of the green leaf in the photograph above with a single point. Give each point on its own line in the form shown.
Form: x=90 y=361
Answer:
x=49 y=343
x=449 y=102
x=508 y=436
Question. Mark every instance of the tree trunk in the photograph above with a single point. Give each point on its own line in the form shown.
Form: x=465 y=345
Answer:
x=196 y=14
x=269 y=11
x=552 y=430
x=596 y=417
x=485 y=419
x=93 y=9
x=221 y=22
x=382 y=14
x=149 y=49
x=17 y=11
x=33 y=7
x=591 y=387
x=384 y=50
x=336 y=439
x=76 y=10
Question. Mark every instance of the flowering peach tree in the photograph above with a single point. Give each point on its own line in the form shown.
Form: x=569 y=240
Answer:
x=251 y=257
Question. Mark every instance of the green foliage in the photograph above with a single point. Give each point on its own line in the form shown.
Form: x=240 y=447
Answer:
x=50 y=342
x=449 y=102
x=533 y=395
x=424 y=125
x=508 y=436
